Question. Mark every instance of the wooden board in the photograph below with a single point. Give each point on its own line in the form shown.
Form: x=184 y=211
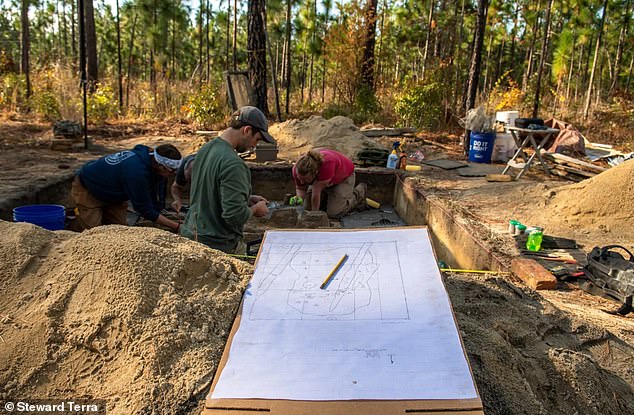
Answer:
x=445 y=164
x=573 y=162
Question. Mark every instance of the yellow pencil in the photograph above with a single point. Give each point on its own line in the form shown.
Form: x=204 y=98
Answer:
x=334 y=271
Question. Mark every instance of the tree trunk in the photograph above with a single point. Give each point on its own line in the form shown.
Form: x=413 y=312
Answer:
x=476 y=61
x=25 y=66
x=312 y=54
x=542 y=59
x=256 y=40
x=73 y=36
x=487 y=66
x=92 y=69
x=530 y=52
x=367 y=64
x=228 y=57
x=208 y=46
x=303 y=77
x=202 y=10
x=619 y=49
x=287 y=60
x=629 y=74
x=586 y=108
x=119 y=72
x=476 y=54
x=64 y=29
x=130 y=51
x=379 y=60
x=570 y=69
x=235 y=35
x=456 y=59
x=430 y=18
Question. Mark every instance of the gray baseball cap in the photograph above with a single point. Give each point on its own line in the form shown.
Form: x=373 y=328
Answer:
x=255 y=118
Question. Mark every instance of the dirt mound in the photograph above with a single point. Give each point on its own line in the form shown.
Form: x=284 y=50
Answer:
x=604 y=203
x=295 y=137
x=530 y=355
x=136 y=316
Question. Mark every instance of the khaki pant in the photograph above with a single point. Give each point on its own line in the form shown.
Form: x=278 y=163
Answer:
x=92 y=212
x=340 y=198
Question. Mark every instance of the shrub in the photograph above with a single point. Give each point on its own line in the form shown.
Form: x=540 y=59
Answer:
x=505 y=96
x=12 y=89
x=333 y=109
x=101 y=105
x=421 y=106
x=366 y=105
x=45 y=104
x=204 y=108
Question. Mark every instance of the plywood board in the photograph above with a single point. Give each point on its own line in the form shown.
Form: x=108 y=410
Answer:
x=382 y=335
x=445 y=164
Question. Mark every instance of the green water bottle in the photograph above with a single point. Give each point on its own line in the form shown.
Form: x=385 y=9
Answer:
x=534 y=240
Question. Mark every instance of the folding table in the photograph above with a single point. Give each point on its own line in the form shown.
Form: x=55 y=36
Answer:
x=535 y=138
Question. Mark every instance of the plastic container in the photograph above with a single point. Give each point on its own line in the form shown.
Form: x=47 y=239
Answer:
x=51 y=217
x=392 y=159
x=507 y=117
x=412 y=167
x=512 y=224
x=534 y=240
x=402 y=161
x=503 y=148
x=520 y=229
x=481 y=146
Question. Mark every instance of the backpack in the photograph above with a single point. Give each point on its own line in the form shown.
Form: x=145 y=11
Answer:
x=613 y=274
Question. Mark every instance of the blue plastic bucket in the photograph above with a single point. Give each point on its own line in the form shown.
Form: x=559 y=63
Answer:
x=481 y=146
x=51 y=217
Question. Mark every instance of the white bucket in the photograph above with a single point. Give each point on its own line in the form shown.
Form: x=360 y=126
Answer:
x=503 y=148
x=507 y=118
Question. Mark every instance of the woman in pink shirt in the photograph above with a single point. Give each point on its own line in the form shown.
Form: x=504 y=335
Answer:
x=327 y=171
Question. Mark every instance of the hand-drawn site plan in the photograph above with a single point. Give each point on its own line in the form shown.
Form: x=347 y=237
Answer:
x=382 y=328
x=359 y=291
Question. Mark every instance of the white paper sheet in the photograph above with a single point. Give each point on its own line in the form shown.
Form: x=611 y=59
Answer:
x=382 y=329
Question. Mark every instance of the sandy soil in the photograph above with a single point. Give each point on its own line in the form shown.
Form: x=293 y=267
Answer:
x=136 y=316
x=139 y=316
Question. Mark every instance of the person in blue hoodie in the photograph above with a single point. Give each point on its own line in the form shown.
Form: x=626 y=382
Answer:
x=102 y=188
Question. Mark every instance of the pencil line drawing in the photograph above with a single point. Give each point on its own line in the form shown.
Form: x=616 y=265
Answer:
x=368 y=286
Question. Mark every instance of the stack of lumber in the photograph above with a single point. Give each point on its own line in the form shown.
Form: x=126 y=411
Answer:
x=572 y=168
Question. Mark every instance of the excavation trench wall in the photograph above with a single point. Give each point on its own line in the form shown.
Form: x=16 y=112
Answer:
x=454 y=244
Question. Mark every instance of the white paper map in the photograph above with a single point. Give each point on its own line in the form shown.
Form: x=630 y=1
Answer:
x=381 y=329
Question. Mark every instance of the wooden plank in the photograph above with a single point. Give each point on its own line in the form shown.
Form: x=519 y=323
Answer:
x=579 y=172
x=533 y=274
x=566 y=160
x=499 y=178
x=566 y=175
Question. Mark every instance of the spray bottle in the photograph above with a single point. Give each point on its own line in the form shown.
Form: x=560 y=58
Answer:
x=392 y=159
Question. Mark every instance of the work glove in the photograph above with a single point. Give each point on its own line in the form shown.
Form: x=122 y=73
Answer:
x=296 y=201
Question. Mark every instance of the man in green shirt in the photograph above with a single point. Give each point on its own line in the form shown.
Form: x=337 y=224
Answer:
x=220 y=200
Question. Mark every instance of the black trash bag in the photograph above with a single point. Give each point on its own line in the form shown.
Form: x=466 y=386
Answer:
x=613 y=274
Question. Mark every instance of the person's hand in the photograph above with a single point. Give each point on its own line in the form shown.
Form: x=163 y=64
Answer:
x=257 y=198
x=177 y=205
x=260 y=209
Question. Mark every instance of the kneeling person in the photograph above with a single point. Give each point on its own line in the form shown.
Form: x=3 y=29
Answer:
x=328 y=171
x=101 y=189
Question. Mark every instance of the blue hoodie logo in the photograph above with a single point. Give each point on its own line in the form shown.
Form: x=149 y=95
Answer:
x=117 y=158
